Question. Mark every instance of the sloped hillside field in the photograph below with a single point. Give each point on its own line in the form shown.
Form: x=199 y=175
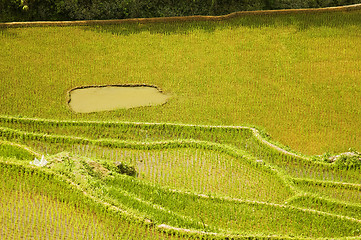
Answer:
x=195 y=167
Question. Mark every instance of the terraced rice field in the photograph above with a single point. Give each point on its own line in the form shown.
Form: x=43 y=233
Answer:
x=112 y=175
x=214 y=187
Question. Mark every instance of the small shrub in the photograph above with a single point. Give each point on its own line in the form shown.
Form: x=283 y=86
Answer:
x=123 y=168
x=326 y=158
x=348 y=160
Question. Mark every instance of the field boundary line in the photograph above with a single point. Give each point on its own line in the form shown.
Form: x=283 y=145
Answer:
x=255 y=131
x=343 y=185
x=21 y=146
x=330 y=200
x=257 y=134
x=158 y=207
x=180 y=19
x=254 y=202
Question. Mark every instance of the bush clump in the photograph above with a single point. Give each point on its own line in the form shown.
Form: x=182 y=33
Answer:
x=123 y=168
x=349 y=160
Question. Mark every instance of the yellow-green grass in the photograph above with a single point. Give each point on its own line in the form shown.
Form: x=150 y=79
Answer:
x=296 y=75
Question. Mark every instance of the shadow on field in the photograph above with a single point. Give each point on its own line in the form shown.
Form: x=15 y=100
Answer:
x=8 y=33
x=302 y=21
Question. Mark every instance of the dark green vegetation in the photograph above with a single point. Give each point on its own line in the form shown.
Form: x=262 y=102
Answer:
x=31 y=10
x=296 y=75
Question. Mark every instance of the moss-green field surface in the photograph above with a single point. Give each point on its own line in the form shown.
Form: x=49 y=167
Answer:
x=201 y=166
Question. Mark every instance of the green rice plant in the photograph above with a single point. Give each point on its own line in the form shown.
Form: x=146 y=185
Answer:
x=318 y=203
x=190 y=210
x=130 y=131
x=205 y=172
x=237 y=216
x=295 y=166
x=301 y=166
x=348 y=193
x=8 y=149
x=29 y=215
x=324 y=172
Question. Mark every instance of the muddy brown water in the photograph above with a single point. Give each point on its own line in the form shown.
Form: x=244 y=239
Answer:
x=107 y=98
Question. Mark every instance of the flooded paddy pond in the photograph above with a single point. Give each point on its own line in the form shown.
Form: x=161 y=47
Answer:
x=107 y=98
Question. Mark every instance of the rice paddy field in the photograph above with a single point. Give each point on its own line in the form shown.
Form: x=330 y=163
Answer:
x=235 y=153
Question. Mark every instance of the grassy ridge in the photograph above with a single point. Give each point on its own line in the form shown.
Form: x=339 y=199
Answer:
x=342 y=192
x=327 y=205
x=300 y=70
x=8 y=149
